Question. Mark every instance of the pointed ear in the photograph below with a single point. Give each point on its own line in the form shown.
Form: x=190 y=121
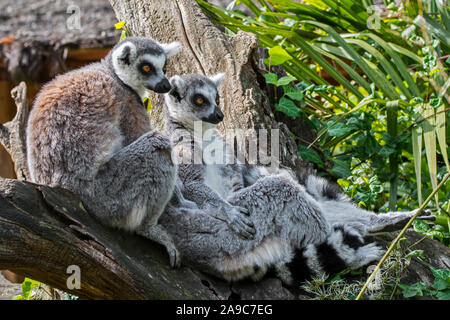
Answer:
x=125 y=53
x=218 y=78
x=171 y=49
x=178 y=87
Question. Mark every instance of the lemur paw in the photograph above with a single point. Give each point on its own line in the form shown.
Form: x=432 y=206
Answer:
x=368 y=253
x=240 y=224
x=174 y=256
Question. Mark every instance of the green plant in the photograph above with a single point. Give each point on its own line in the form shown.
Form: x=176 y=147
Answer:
x=27 y=289
x=439 y=290
x=376 y=92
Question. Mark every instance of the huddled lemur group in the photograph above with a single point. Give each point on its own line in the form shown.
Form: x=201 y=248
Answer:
x=89 y=132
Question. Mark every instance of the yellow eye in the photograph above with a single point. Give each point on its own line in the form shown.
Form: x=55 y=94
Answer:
x=164 y=69
x=146 y=68
x=199 y=100
x=217 y=100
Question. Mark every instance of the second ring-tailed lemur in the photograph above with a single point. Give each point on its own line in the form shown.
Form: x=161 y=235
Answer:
x=301 y=229
x=89 y=132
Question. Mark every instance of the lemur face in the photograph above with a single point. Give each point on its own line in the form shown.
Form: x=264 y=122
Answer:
x=195 y=97
x=140 y=63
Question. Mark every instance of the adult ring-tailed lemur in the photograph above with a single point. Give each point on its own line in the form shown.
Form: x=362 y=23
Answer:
x=89 y=132
x=295 y=229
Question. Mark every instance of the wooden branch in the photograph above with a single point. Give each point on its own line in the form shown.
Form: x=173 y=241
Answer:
x=12 y=133
x=45 y=230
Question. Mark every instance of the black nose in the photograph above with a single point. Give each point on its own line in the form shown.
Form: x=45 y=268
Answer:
x=163 y=86
x=218 y=115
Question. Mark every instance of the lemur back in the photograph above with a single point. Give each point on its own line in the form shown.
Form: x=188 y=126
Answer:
x=89 y=132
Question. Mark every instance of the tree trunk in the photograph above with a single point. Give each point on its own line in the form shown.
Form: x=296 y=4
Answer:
x=45 y=230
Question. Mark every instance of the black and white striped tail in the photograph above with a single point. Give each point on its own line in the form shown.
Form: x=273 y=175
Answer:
x=344 y=248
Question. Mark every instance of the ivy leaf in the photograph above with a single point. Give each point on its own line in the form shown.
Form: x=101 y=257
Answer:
x=271 y=78
x=309 y=154
x=420 y=226
x=386 y=151
x=416 y=289
x=288 y=107
x=443 y=295
x=339 y=129
x=278 y=56
x=341 y=169
x=285 y=80
x=442 y=278
x=416 y=253
x=293 y=93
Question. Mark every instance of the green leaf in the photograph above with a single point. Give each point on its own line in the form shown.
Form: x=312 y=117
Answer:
x=309 y=154
x=340 y=129
x=416 y=253
x=420 y=226
x=443 y=295
x=285 y=80
x=27 y=287
x=292 y=93
x=278 y=55
x=429 y=135
x=341 y=169
x=416 y=289
x=442 y=274
x=271 y=78
x=123 y=35
x=417 y=153
x=288 y=107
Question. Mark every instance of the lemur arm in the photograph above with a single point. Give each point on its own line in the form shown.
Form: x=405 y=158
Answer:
x=194 y=189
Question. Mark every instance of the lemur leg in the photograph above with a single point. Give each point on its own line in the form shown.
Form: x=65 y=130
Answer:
x=392 y=221
x=159 y=234
x=279 y=201
x=345 y=212
x=135 y=184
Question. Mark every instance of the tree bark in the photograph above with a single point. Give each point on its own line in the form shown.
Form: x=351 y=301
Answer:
x=45 y=230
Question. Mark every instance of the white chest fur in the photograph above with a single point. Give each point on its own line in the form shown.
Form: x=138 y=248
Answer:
x=216 y=156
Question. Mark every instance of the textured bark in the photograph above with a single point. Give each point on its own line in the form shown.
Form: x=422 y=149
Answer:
x=44 y=230
x=12 y=134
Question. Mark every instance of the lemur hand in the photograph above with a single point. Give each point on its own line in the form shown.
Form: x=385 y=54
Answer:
x=240 y=224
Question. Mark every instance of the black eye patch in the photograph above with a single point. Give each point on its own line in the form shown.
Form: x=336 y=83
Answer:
x=199 y=100
x=146 y=68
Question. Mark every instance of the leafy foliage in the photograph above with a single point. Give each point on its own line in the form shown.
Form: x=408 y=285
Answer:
x=372 y=82
x=440 y=289
x=27 y=289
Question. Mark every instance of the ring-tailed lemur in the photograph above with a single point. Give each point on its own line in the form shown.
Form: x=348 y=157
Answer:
x=301 y=229
x=89 y=132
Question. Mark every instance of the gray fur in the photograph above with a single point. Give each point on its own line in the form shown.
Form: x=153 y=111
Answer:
x=288 y=213
x=89 y=132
